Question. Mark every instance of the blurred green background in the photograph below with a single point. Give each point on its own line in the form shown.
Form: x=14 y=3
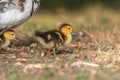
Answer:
x=78 y=4
x=89 y=15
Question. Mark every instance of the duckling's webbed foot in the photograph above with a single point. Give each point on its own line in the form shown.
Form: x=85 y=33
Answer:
x=54 y=50
x=51 y=51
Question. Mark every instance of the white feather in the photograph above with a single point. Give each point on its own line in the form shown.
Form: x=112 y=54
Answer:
x=11 y=16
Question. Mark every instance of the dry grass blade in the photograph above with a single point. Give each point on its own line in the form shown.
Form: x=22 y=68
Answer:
x=79 y=63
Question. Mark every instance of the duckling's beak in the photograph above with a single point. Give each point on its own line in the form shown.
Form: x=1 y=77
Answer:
x=74 y=33
x=15 y=39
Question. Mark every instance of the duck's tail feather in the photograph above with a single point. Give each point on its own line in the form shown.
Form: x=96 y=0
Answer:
x=39 y=34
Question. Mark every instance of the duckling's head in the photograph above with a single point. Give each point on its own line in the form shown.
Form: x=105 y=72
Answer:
x=9 y=34
x=66 y=29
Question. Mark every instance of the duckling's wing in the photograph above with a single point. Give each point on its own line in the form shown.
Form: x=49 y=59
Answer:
x=56 y=36
x=53 y=35
x=51 y=38
x=48 y=35
x=40 y=34
x=43 y=38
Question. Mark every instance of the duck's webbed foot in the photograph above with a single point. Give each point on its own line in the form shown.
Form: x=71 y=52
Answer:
x=51 y=51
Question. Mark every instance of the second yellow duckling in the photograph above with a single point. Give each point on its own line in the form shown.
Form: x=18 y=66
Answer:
x=5 y=37
x=55 y=38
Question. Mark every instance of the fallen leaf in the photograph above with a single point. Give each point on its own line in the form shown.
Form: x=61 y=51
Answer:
x=57 y=58
x=61 y=73
x=20 y=60
x=74 y=45
x=23 y=54
x=33 y=45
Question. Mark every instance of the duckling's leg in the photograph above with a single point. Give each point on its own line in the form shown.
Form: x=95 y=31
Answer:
x=51 y=51
x=47 y=51
x=54 y=51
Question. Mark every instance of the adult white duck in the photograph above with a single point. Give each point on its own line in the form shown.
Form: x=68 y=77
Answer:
x=15 y=12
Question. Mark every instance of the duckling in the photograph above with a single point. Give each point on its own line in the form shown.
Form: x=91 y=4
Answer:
x=5 y=37
x=54 y=38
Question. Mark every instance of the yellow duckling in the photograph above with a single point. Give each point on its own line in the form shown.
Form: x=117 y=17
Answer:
x=5 y=37
x=55 y=38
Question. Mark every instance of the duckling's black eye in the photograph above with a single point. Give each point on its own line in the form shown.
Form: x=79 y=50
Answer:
x=12 y=34
x=69 y=28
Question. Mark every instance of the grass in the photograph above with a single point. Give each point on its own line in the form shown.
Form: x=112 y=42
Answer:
x=99 y=47
x=34 y=60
